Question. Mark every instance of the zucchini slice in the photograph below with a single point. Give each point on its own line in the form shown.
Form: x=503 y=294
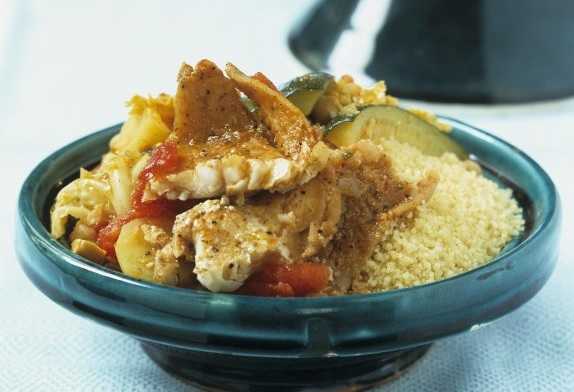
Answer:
x=304 y=91
x=391 y=122
x=249 y=105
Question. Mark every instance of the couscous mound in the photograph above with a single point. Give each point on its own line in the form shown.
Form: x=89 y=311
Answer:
x=465 y=224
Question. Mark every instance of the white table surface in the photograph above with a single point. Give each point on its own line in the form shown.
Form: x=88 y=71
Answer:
x=66 y=67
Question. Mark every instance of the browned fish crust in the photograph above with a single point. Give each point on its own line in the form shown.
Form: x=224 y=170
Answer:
x=207 y=104
x=293 y=134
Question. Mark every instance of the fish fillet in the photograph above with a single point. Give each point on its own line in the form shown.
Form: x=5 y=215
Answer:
x=226 y=150
x=231 y=241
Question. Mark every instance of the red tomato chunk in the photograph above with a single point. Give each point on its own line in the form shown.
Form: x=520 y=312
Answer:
x=287 y=280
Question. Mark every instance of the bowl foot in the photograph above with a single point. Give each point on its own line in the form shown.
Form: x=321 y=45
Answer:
x=229 y=373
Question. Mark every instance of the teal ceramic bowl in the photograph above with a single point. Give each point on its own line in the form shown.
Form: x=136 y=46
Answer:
x=234 y=342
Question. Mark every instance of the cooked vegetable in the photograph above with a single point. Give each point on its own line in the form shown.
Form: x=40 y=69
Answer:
x=87 y=199
x=341 y=132
x=249 y=105
x=304 y=91
x=346 y=97
x=81 y=231
x=287 y=280
x=391 y=122
x=135 y=254
x=89 y=250
x=119 y=176
x=148 y=124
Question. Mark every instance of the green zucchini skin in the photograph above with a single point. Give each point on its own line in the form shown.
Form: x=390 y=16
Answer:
x=249 y=105
x=304 y=91
x=392 y=122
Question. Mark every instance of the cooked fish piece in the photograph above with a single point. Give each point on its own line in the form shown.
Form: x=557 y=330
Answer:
x=225 y=150
x=228 y=243
x=374 y=200
x=336 y=217
x=207 y=104
x=238 y=163
x=231 y=241
x=309 y=214
x=292 y=133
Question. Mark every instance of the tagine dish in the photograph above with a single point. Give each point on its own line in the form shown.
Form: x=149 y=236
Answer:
x=322 y=187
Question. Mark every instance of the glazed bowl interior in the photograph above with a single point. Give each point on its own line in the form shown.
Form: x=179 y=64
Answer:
x=294 y=327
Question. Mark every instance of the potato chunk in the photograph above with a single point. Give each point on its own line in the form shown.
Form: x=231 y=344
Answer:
x=135 y=255
x=89 y=250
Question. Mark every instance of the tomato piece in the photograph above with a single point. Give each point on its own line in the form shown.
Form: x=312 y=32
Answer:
x=108 y=235
x=164 y=160
x=262 y=289
x=305 y=278
x=152 y=208
x=287 y=280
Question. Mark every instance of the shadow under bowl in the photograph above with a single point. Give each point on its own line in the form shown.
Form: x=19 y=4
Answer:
x=235 y=342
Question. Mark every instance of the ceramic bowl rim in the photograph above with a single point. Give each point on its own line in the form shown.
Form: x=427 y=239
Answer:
x=39 y=234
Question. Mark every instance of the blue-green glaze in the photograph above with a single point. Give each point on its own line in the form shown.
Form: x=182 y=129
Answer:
x=181 y=327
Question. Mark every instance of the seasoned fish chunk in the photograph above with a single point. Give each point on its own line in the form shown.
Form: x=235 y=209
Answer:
x=231 y=241
x=292 y=132
x=207 y=104
x=225 y=151
x=240 y=166
x=228 y=243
